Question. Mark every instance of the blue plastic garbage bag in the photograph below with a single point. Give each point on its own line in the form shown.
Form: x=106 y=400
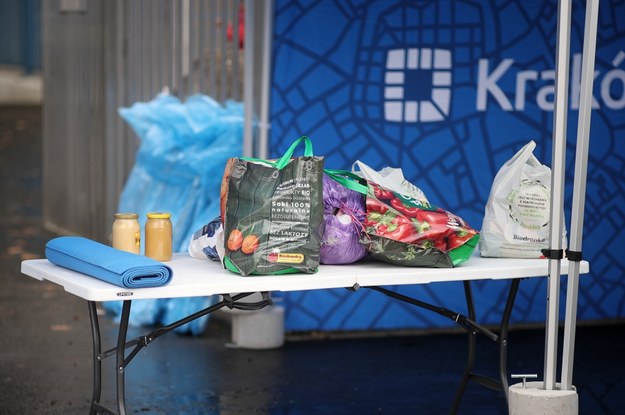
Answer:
x=178 y=169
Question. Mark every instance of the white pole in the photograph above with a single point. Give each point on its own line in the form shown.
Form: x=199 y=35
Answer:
x=579 y=188
x=248 y=81
x=265 y=124
x=557 y=189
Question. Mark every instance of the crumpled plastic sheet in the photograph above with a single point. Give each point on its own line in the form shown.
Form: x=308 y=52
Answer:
x=178 y=169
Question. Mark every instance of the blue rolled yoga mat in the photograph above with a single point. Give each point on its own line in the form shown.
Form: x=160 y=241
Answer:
x=108 y=264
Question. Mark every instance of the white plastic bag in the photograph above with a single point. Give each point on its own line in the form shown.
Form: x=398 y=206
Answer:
x=516 y=219
x=392 y=179
x=207 y=241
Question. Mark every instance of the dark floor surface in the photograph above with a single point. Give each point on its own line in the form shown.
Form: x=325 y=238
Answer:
x=45 y=344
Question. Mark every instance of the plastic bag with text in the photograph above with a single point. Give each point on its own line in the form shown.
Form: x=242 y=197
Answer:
x=516 y=218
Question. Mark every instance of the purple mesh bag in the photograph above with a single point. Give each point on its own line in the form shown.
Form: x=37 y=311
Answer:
x=344 y=212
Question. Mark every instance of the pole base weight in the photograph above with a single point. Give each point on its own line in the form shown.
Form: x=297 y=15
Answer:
x=262 y=329
x=534 y=400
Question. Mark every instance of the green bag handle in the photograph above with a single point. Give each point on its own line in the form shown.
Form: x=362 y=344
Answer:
x=347 y=179
x=308 y=151
x=284 y=160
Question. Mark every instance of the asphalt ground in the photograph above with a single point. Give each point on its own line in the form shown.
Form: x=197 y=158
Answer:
x=46 y=363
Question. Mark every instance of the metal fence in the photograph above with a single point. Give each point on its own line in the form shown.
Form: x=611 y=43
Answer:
x=186 y=46
x=102 y=55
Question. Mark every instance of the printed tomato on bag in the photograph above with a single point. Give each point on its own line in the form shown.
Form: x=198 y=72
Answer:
x=405 y=231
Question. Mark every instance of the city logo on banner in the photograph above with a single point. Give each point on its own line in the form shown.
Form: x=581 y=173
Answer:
x=610 y=86
x=418 y=85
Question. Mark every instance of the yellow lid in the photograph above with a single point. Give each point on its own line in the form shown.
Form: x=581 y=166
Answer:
x=126 y=216
x=159 y=215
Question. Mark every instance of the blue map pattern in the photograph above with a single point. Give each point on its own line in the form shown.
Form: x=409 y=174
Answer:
x=344 y=74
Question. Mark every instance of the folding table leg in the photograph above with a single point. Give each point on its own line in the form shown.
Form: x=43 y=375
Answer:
x=473 y=329
x=503 y=336
x=472 y=335
x=121 y=357
x=122 y=360
x=502 y=341
x=97 y=361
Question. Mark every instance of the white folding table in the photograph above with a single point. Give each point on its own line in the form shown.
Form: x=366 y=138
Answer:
x=194 y=277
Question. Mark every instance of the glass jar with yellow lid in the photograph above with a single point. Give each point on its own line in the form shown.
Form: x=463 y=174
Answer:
x=127 y=232
x=158 y=236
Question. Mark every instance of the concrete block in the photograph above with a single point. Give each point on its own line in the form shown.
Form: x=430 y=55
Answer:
x=534 y=400
x=262 y=329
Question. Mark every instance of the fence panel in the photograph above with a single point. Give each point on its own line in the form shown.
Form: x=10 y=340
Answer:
x=105 y=55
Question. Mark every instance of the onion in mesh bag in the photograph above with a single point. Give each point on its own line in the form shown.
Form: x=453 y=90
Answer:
x=344 y=212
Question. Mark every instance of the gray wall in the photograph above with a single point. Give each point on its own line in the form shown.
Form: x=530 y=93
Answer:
x=102 y=55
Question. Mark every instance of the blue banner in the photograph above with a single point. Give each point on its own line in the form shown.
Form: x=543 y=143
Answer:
x=449 y=91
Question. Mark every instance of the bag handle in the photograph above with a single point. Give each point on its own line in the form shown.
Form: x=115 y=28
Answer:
x=308 y=151
x=347 y=179
x=523 y=154
x=284 y=160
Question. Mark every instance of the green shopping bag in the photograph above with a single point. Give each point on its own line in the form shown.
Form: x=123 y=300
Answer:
x=274 y=213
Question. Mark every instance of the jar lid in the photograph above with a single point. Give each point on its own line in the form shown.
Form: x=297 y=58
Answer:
x=126 y=216
x=158 y=215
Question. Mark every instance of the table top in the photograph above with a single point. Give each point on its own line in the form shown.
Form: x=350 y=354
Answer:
x=195 y=277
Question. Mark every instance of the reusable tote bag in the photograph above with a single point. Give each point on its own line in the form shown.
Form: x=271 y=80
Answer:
x=274 y=213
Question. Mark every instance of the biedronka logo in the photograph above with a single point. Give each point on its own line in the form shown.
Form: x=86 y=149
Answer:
x=417 y=85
